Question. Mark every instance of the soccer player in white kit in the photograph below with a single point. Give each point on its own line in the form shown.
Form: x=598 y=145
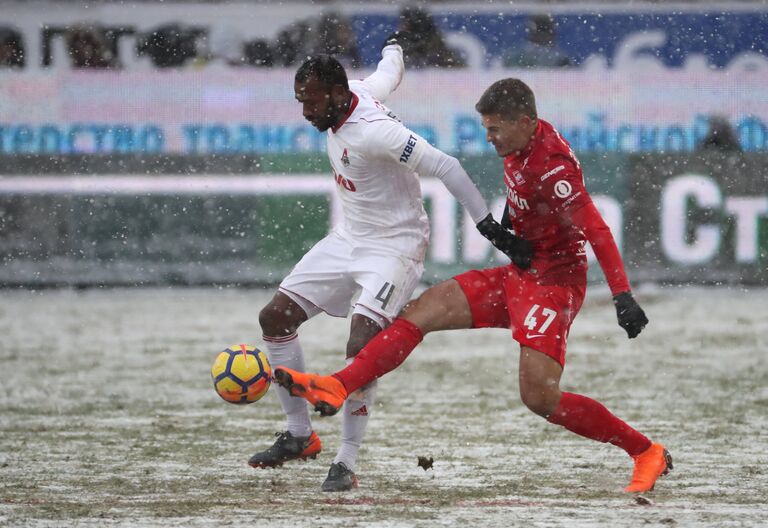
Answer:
x=374 y=258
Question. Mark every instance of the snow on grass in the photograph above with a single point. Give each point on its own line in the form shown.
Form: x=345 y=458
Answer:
x=108 y=418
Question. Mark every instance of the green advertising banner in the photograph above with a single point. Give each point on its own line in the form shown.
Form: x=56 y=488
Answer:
x=242 y=220
x=699 y=219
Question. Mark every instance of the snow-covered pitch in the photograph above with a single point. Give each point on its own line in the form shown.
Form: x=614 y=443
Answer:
x=108 y=418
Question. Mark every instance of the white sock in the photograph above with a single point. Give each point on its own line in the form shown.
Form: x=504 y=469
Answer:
x=286 y=351
x=357 y=409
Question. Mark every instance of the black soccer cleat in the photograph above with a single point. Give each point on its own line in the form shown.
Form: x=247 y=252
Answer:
x=287 y=447
x=340 y=478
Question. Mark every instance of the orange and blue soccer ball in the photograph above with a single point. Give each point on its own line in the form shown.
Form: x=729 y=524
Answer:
x=241 y=374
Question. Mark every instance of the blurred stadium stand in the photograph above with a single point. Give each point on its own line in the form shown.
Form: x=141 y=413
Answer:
x=121 y=35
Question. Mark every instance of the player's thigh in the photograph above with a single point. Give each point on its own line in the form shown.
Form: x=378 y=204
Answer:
x=387 y=283
x=441 y=307
x=541 y=315
x=322 y=278
x=485 y=294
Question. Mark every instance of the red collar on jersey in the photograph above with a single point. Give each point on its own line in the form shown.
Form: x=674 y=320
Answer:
x=532 y=143
x=352 y=106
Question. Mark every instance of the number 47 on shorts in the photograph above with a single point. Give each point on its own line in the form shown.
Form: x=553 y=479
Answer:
x=531 y=321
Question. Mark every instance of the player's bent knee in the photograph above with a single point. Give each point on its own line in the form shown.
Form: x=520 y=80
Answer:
x=267 y=320
x=278 y=321
x=541 y=401
x=417 y=312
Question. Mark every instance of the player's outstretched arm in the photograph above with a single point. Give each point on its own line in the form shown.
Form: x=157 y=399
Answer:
x=395 y=142
x=434 y=162
x=388 y=74
x=630 y=315
x=519 y=251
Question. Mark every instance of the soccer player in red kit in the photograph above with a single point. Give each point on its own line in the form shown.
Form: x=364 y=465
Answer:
x=547 y=205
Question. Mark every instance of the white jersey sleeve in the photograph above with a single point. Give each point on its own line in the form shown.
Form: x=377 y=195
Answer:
x=388 y=74
x=397 y=143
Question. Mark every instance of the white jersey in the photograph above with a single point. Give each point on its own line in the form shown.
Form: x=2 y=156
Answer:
x=373 y=158
x=380 y=244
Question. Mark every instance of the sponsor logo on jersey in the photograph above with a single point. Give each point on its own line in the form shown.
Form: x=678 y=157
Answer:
x=520 y=203
x=408 y=150
x=345 y=158
x=563 y=189
x=569 y=201
x=552 y=172
x=341 y=181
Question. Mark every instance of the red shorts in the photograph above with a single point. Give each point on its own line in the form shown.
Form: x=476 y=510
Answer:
x=539 y=316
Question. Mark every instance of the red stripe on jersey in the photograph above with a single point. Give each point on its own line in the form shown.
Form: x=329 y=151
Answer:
x=352 y=107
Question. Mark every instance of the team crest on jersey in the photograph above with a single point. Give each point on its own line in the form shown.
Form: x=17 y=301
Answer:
x=563 y=189
x=345 y=158
x=518 y=177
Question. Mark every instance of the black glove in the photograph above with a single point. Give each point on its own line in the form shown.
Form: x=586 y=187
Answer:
x=631 y=317
x=519 y=251
x=398 y=37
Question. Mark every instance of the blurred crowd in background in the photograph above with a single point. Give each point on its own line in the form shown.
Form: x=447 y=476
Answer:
x=176 y=45
x=100 y=46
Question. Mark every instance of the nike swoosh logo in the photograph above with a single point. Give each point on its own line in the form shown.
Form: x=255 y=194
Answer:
x=531 y=336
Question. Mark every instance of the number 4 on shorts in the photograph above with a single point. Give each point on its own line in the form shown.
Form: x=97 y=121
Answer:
x=531 y=321
x=385 y=298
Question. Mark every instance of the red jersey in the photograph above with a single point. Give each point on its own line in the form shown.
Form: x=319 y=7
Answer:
x=549 y=206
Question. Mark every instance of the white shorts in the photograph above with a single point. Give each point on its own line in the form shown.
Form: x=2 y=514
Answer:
x=332 y=274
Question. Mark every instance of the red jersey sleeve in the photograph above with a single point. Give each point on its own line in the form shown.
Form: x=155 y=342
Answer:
x=562 y=187
x=597 y=233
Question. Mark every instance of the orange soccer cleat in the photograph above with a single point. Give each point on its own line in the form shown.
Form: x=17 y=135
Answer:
x=649 y=466
x=326 y=393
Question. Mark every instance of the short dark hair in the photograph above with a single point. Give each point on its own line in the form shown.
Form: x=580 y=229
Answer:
x=508 y=97
x=324 y=68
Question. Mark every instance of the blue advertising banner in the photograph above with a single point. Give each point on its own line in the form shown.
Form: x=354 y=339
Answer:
x=255 y=112
x=672 y=38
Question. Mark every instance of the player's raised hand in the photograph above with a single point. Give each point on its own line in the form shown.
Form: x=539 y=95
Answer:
x=631 y=317
x=519 y=251
x=398 y=37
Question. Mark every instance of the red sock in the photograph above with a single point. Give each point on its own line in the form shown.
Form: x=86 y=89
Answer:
x=383 y=353
x=587 y=417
